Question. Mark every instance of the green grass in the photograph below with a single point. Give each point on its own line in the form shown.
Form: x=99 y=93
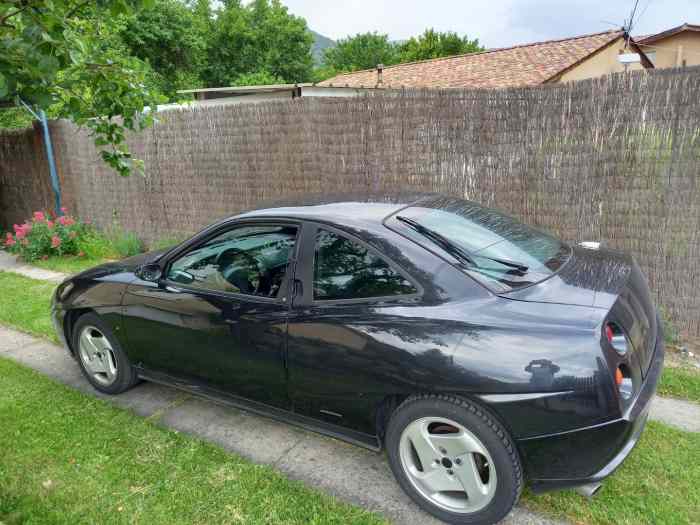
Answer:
x=658 y=483
x=683 y=383
x=78 y=459
x=69 y=264
x=25 y=304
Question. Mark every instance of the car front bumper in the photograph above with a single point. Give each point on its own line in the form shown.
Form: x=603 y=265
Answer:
x=589 y=455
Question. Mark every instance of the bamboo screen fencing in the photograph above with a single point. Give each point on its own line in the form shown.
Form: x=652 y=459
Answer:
x=615 y=159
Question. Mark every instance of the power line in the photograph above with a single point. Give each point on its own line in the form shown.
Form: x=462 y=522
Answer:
x=631 y=23
x=643 y=11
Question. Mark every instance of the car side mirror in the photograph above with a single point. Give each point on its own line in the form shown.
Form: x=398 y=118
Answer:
x=150 y=272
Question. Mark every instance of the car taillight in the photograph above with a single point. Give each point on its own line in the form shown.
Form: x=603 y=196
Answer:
x=616 y=338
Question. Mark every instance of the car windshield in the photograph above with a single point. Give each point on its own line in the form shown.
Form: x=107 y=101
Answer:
x=498 y=250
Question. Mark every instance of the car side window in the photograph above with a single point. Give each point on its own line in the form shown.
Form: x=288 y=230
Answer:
x=251 y=260
x=345 y=269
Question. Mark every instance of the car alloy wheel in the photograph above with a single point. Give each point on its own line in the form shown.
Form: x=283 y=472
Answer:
x=97 y=356
x=448 y=465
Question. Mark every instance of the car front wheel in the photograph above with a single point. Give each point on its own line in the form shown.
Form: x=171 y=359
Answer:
x=454 y=459
x=101 y=358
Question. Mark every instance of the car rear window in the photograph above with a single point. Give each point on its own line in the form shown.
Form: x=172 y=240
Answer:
x=486 y=234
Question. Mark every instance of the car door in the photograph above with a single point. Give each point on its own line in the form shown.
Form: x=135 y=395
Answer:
x=219 y=315
x=342 y=327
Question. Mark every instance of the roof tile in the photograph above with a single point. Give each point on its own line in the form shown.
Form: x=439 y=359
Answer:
x=523 y=65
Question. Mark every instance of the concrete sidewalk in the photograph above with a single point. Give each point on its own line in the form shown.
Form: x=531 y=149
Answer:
x=9 y=263
x=348 y=472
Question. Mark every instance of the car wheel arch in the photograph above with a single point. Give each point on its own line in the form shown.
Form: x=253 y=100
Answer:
x=391 y=403
x=69 y=323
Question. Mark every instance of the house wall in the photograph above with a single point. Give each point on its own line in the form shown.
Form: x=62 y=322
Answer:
x=602 y=63
x=672 y=51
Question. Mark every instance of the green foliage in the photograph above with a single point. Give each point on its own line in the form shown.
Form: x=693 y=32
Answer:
x=259 y=36
x=433 y=44
x=41 y=237
x=362 y=51
x=366 y=50
x=172 y=38
x=123 y=243
x=257 y=78
x=15 y=118
x=671 y=332
x=58 y=54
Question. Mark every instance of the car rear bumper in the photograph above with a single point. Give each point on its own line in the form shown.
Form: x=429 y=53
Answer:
x=591 y=454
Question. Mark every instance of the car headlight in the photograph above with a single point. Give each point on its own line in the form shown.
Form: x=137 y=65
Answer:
x=64 y=290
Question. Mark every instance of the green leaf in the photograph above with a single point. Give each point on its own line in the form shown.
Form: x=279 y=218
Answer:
x=3 y=86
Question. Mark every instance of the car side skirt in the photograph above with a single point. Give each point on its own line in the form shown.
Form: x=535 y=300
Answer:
x=361 y=439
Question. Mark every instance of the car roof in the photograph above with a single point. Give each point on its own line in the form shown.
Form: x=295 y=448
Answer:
x=343 y=209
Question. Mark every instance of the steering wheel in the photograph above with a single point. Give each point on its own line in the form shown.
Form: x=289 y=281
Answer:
x=238 y=277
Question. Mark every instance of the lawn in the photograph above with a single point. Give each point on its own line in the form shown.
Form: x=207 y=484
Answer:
x=78 y=459
x=68 y=264
x=683 y=383
x=657 y=484
x=25 y=305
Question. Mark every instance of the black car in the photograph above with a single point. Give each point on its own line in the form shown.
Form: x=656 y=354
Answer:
x=479 y=352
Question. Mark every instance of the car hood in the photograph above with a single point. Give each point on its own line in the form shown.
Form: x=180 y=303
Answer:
x=591 y=277
x=128 y=265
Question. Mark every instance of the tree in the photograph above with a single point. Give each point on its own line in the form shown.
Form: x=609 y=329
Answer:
x=433 y=44
x=172 y=39
x=258 y=37
x=362 y=51
x=56 y=53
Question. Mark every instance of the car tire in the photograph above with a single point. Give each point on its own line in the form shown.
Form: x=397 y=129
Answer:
x=454 y=459
x=101 y=357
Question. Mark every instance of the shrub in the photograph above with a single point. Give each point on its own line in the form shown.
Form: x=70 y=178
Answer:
x=44 y=235
x=124 y=243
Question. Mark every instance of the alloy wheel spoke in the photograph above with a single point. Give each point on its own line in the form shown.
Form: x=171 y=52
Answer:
x=470 y=480
x=420 y=438
x=438 y=480
x=456 y=445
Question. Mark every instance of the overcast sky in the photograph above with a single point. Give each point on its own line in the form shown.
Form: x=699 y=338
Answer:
x=496 y=23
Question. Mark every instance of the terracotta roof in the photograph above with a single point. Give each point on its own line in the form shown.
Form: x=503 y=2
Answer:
x=523 y=65
x=647 y=39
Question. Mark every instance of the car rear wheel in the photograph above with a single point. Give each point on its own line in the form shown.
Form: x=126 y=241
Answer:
x=101 y=358
x=454 y=459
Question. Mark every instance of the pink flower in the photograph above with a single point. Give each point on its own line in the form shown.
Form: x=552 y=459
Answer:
x=65 y=220
x=55 y=241
x=9 y=240
x=39 y=216
x=64 y=209
x=16 y=227
x=49 y=224
x=21 y=233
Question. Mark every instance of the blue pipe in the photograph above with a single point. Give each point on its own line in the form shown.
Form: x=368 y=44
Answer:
x=41 y=117
x=52 y=162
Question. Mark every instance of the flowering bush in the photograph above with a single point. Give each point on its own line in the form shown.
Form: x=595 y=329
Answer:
x=43 y=235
